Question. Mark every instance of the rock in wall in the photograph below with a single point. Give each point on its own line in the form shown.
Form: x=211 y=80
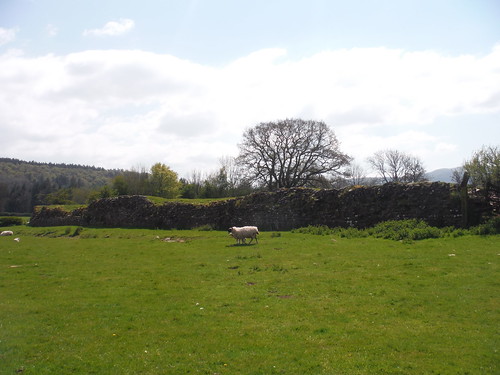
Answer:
x=436 y=203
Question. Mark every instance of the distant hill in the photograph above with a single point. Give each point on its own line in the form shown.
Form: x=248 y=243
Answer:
x=24 y=184
x=442 y=174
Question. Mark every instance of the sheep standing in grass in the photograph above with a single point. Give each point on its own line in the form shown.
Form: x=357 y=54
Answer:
x=7 y=233
x=240 y=233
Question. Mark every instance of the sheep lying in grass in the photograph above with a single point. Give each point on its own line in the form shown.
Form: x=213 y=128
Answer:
x=7 y=233
x=240 y=233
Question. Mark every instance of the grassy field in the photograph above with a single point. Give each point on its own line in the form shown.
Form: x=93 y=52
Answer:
x=113 y=301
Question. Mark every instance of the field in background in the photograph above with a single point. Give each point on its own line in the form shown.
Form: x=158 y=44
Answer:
x=115 y=301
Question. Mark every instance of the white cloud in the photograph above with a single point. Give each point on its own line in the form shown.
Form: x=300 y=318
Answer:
x=7 y=35
x=51 y=30
x=121 y=108
x=112 y=28
x=444 y=147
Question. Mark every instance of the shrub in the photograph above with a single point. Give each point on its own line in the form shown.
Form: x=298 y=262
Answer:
x=10 y=221
x=351 y=232
x=323 y=230
x=320 y=230
x=459 y=232
x=492 y=226
x=404 y=230
x=423 y=233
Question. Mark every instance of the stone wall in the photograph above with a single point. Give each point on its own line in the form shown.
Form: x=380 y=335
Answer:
x=437 y=203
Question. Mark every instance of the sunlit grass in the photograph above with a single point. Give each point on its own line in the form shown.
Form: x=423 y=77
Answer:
x=201 y=201
x=62 y=207
x=153 y=199
x=120 y=301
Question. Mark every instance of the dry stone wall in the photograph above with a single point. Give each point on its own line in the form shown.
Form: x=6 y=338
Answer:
x=437 y=203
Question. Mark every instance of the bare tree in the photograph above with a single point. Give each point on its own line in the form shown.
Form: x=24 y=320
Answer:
x=457 y=175
x=396 y=166
x=414 y=169
x=238 y=184
x=356 y=174
x=388 y=164
x=290 y=153
x=233 y=173
x=195 y=178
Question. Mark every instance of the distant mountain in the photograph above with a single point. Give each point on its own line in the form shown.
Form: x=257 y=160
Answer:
x=443 y=175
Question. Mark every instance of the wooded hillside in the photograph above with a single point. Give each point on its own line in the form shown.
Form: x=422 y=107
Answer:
x=26 y=184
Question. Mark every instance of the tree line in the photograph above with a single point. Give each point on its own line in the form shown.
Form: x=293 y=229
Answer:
x=25 y=184
x=272 y=155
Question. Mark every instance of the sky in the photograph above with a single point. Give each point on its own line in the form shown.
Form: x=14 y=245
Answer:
x=126 y=84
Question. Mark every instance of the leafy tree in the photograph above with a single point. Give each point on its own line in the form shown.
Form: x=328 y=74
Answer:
x=216 y=185
x=136 y=180
x=484 y=170
x=188 y=190
x=192 y=186
x=396 y=166
x=80 y=195
x=104 y=192
x=107 y=192
x=19 y=199
x=290 y=153
x=163 y=181
x=120 y=185
x=26 y=184
x=4 y=195
x=61 y=196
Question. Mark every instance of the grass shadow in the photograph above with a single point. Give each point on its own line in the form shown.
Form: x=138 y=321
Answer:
x=242 y=244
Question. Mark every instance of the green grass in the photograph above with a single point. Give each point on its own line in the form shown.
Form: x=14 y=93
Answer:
x=200 y=201
x=116 y=301
x=153 y=199
x=63 y=207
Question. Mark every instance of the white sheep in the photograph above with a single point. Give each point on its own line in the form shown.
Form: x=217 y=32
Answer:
x=7 y=233
x=240 y=233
